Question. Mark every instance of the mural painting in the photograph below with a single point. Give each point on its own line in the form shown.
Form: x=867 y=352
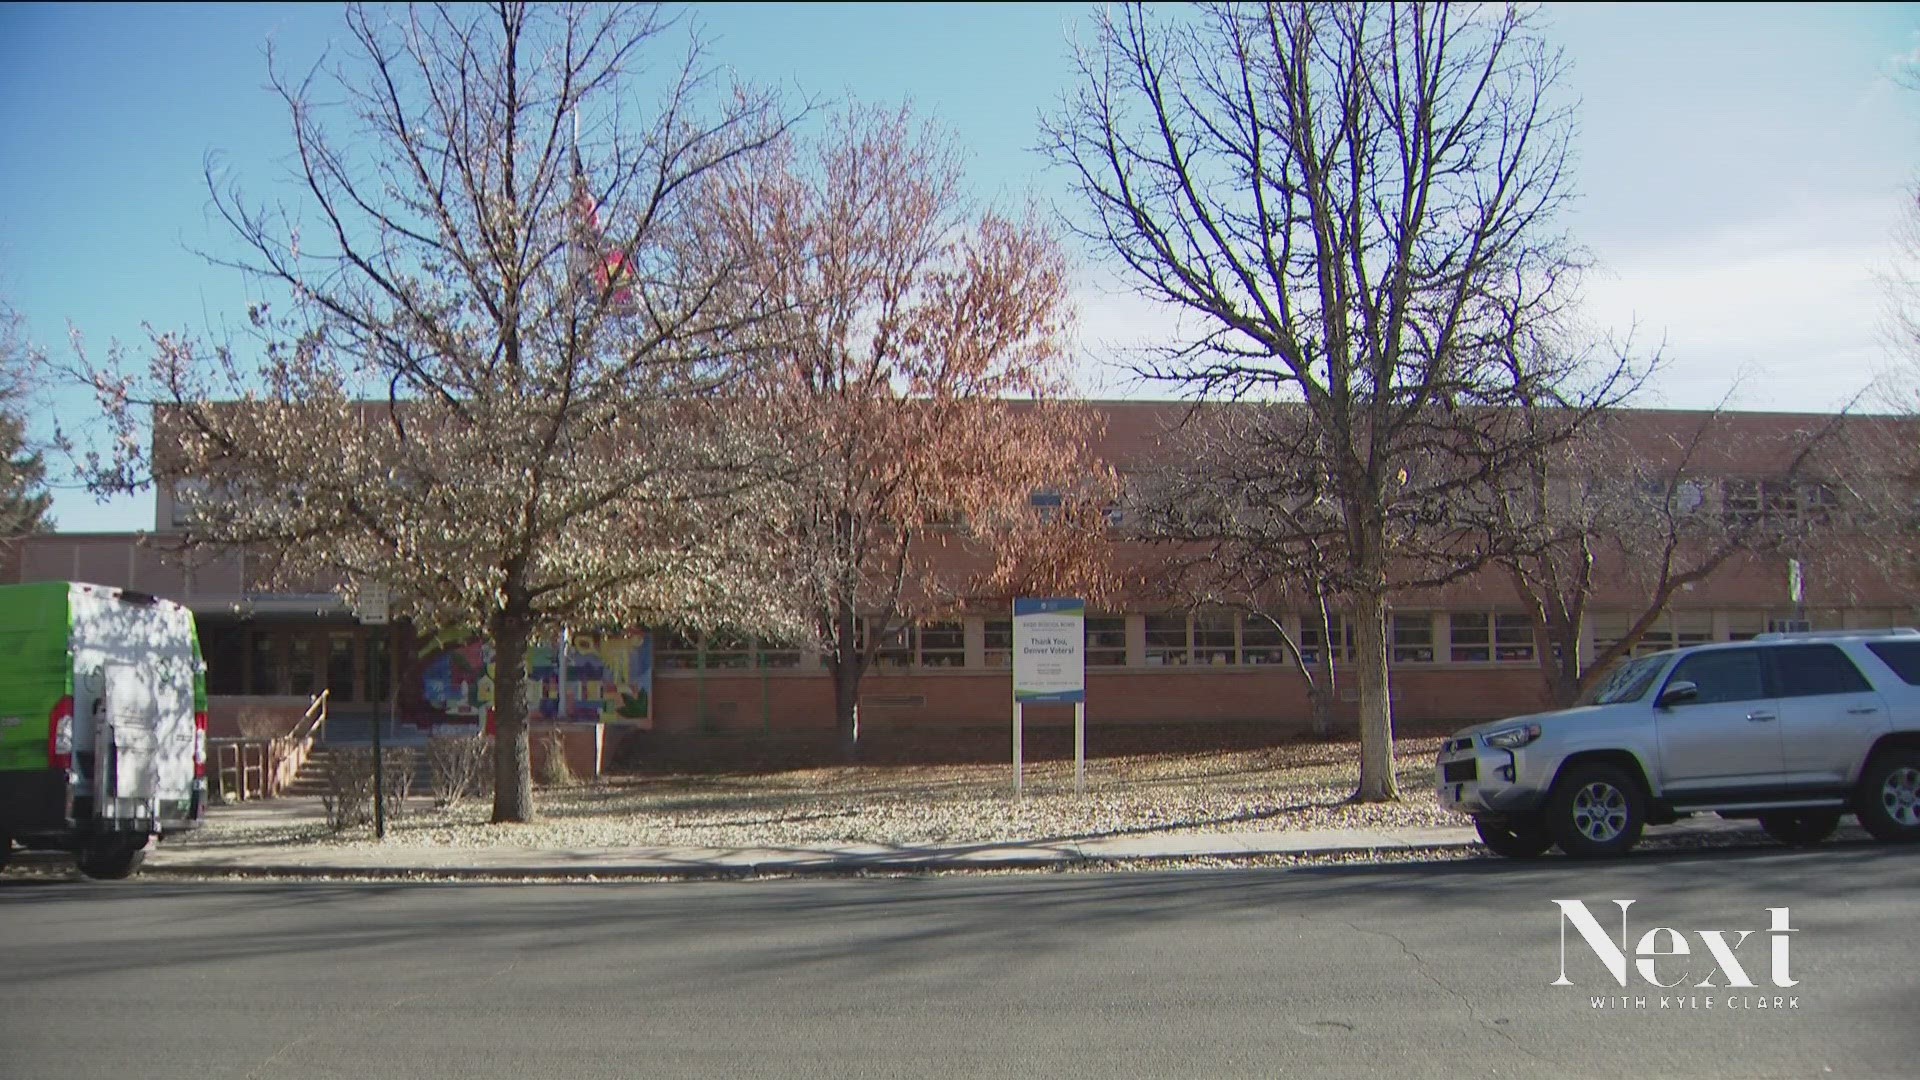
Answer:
x=609 y=680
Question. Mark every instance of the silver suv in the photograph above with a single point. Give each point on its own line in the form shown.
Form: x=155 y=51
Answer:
x=1793 y=729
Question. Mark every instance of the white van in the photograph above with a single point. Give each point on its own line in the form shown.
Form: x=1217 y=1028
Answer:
x=103 y=723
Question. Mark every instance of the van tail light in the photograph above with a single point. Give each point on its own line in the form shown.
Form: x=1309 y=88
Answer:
x=199 y=746
x=60 y=735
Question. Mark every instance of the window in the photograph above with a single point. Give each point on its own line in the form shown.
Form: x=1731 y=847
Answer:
x=224 y=649
x=728 y=651
x=343 y=657
x=303 y=665
x=1166 y=640
x=1310 y=638
x=1413 y=639
x=895 y=649
x=1215 y=637
x=1740 y=501
x=999 y=643
x=1722 y=675
x=1106 y=640
x=1512 y=637
x=1260 y=641
x=675 y=651
x=1809 y=670
x=1902 y=656
x=775 y=654
x=263 y=675
x=1745 y=625
x=943 y=645
x=1046 y=503
x=1472 y=636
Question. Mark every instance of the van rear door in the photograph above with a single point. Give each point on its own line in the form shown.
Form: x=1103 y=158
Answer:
x=139 y=655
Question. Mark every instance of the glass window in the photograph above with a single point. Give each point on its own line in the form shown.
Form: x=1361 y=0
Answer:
x=1722 y=675
x=728 y=651
x=943 y=645
x=895 y=650
x=1106 y=640
x=263 y=674
x=1413 y=639
x=1809 y=670
x=1472 y=636
x=999 y=643
x=1260 y=641
x=1310 y=637
x=1902 y=656
x=1513 y=637
x=1628 y=681
x=675 y=651
x=224 y=648
x=776 y=654
x=303 y=665
x=343 y=658
x=1745 y=625
x=1166 y=640
x=1215 y=636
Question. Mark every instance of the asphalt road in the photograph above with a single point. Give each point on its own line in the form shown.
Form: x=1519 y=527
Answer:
x=1383 y=972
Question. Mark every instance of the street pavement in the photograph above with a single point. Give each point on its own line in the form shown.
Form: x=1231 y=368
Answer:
x=397 y=857
x=1438 y=969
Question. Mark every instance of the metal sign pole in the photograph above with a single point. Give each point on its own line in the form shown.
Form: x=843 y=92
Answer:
x=1016 y=748
x=1079 y=748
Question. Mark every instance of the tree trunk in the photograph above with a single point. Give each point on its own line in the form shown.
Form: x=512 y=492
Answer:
x=512 y=752
x=1320 y=698
x=1377 y=783
x=847 y=670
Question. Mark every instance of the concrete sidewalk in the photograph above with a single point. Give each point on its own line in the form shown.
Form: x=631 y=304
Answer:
x=399 y=858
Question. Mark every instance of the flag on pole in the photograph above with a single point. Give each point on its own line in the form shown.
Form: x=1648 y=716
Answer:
x=608 y=264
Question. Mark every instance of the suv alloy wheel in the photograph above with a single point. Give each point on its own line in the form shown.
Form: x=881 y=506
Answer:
x=1888 y=802
x=1596 y=811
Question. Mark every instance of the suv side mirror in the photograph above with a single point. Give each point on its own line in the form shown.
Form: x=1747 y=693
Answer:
x=1678 y=693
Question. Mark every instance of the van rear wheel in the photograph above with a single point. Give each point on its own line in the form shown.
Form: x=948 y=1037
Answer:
x=112 y=859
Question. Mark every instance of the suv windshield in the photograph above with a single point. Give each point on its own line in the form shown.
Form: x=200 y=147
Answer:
x=1628 y=682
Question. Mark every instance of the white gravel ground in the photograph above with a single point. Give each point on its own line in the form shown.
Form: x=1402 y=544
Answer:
x=1297 y=786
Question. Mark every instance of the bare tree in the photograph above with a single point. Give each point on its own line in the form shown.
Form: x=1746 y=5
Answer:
x=507 y=385
x=919 y=369
x=1227 y=504
x=1357 y=202
x=1635 y=506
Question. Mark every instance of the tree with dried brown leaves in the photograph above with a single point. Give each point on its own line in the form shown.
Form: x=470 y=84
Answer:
x=922 y=355
x=1357 y=202
x=506 y=384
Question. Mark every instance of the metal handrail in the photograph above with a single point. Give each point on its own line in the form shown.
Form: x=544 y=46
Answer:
x=314 y=720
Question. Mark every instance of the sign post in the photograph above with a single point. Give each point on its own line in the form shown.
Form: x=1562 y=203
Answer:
x=1049 y=665
x=371 y=608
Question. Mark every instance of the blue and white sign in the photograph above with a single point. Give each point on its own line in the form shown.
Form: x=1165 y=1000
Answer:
x=1049 y=650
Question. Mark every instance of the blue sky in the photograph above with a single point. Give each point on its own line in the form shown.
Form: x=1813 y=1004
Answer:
x=1743 y=168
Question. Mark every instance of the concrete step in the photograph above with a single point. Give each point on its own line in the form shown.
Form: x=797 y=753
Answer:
x=312 y=777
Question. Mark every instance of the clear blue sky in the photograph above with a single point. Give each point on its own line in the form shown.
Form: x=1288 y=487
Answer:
x=1743 y=168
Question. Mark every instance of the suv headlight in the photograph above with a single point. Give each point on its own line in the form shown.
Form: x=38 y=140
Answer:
x=1513 y=738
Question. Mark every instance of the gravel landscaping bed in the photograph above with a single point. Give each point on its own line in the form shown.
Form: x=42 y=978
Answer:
x=1301 y=785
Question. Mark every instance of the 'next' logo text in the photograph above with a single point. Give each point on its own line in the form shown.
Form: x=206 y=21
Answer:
x=1664 y=943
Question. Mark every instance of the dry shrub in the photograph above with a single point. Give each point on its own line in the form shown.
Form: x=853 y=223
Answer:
x=264 y=724
x=461 y=766
x=348 y=799
x=554 y=770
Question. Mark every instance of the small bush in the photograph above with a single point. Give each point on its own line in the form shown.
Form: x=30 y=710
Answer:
x=554 y=770
x=460 y=766
x=348 y=799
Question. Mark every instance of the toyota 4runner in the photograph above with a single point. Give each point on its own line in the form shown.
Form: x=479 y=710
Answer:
x=1792 y=729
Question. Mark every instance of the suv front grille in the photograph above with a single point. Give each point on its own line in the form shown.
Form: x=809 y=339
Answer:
x=1455 y=772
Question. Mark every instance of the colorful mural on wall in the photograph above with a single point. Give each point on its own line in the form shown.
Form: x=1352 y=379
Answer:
x=609 y=681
